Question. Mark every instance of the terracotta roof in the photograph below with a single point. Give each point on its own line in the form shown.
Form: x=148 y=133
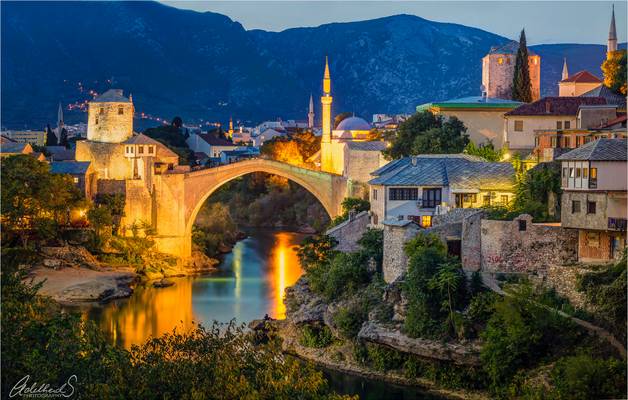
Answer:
x=215 y=140
x=583 y=77
x=556 y=106
x=598 y=150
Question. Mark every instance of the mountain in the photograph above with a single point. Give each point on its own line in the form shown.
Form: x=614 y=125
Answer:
x=206 y=66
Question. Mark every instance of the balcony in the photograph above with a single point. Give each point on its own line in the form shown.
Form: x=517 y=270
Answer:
x=617 y=224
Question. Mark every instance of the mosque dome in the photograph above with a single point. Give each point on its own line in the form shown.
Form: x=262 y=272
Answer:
x=353 y=124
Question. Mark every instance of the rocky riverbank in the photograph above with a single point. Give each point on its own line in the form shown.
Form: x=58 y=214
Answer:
x=307 y=309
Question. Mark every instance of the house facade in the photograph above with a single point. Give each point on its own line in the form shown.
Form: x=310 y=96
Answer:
x=417 y=188
x=209 y=144
x=594 y=198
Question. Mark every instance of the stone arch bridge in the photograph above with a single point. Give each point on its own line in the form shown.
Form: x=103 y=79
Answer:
x=178 y=197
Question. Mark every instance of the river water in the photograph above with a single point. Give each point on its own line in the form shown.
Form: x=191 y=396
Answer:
x=249 y=284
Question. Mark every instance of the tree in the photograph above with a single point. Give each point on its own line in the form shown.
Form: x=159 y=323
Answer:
x=63 y=140
x=486 y=151
x=614 y=70
x=177 y=122
x=51 y=138
x=426 y=133
x=340 y=117
x=294 y=149
x=34 y=201
x=521 y=86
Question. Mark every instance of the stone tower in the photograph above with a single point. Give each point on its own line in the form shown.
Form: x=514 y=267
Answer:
x=565 y=74
x=110 y=118
x=310 y=114
x=326 y=99
x=612 y=35
x=498 y=68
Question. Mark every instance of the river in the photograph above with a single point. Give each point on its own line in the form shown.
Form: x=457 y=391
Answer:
x=250 y=283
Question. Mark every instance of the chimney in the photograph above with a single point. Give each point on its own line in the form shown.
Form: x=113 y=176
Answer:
x=414 y=161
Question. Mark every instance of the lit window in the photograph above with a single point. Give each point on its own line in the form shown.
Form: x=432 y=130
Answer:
x=585 y=173
x=577 y=172
x=500 y=61
x=120 y=110
x=504 y=199
x=75 y=179
x=140 y=149
x=151 y=149
x=518 y=126
x=593 y=173
x=426 y=221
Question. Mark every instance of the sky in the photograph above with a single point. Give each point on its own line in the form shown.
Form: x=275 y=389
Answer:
x=544 y=21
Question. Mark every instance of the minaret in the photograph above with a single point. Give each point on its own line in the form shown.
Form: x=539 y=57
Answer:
x=230 y=127
x=565 y=70
x=60 y=118
x=326 y=99
x=310 y=115
x=612 y=35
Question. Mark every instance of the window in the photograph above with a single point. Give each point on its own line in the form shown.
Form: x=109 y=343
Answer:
x=486 y=200
x=120 y=110
x=593 y=178
x=374 y=194
x=151 y=149
x=75 y=179
x=500 y=61
x=132 y=149
x=523 y=225
x=575 y=206
x=140 y=149
x=508 y=60
x=403 y=194
x=518 y=126
x=564 y=172
x=504 y=198
x=577 y=172
x=559 y=125
x=567 y=124
x=553 y=142
x=571 y=171
x=590 y=207
x=567 y=142
x=585 y=173
x=102 y=110
x=426 y=221
x=96 y=123
x=431 y=198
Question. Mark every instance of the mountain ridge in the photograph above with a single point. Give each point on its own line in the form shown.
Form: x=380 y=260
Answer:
x=207 y=66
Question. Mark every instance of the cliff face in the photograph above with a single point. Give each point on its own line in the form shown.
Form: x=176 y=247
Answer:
x=206 y=66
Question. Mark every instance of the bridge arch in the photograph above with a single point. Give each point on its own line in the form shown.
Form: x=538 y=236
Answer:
x=329 y=190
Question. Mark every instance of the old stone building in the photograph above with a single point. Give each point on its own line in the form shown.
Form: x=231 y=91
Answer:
x=498 y=68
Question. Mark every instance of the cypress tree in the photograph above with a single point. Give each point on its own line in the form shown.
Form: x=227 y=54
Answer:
x=51 y=138
x=521 y=87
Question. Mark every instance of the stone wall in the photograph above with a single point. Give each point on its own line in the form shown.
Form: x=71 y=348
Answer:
x=564 y=279
x=396 y=235
x=350 y=231
x=519 y=246
x=471 y=235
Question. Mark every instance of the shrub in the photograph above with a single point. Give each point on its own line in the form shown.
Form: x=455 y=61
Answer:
x=349 y=320
x=314 y=336
x=482 y=307
x=383 y=358
x=344 y=276
x=584 y=377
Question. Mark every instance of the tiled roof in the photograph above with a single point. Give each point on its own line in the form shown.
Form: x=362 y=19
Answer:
x=161 y=149
x=456 y=171
x=598 y=150
x=13 y=148
x=214 y=140
x=610 y=96
x=618 y=120
x=367 y=146
x=69 y=167
x=583 y=77
x=556 y=106
x=509 y=48
x=111 y=96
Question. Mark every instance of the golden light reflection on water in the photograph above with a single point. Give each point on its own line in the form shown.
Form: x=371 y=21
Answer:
x=251 y=285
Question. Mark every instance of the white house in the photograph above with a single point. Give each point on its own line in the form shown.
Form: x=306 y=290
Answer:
x=209 y=144
x=417 y=188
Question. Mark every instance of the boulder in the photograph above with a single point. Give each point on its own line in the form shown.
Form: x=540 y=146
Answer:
x=468 y=354
x=69 y=256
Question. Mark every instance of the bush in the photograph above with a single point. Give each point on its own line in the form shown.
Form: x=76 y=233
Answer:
x=584 y=377
x=314 y=336
x=482 y=307
x=383 y=358
x=349 y=320
x=344 y=275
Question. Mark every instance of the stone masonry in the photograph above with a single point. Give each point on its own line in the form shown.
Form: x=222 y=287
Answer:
x=350 y=231
x=396 y=235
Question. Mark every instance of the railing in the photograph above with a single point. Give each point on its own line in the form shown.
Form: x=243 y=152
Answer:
x=618 y=224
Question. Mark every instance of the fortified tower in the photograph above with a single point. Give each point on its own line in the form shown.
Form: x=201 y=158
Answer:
x=110 y=117
x=326 y=99
x=498 y=69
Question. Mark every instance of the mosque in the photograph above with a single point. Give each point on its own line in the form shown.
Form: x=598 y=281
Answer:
x=346 y=150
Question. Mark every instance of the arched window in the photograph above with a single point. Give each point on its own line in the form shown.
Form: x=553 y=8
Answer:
x=120 y=110
x=500 y=61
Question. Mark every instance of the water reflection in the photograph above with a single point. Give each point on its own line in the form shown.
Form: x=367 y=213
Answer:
x=251 y=283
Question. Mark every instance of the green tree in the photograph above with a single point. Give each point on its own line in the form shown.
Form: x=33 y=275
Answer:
x=51 y=138
x=486 y=151
x=614 y=70
x=426 y=133
x=351 y=204
x=34 y=201
x=521 y=86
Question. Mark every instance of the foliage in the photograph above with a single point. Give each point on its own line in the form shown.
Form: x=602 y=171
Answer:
x=486 y=151
x=383 y=358
x=350 y=204
x=344 y=275
x=606 y=291
x=51 y=137
x=315 y=336
x=177 y=122
x=296 y=148
x=614 y=70
x=426 y=133
x=520 y=334
x=435 y=288
x=349 y=319
x=34 y=201
x=173 y=138
x=583 y=377
x=221 y=362
x=372 y=245
x=214 y=228
x=482 y=307
x=316 y=251
x=521 y=86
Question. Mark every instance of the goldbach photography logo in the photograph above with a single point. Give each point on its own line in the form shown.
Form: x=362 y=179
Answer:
x=27 y=388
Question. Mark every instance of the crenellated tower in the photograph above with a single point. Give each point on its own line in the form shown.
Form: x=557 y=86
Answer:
x=326 y=100
x=110 y=118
